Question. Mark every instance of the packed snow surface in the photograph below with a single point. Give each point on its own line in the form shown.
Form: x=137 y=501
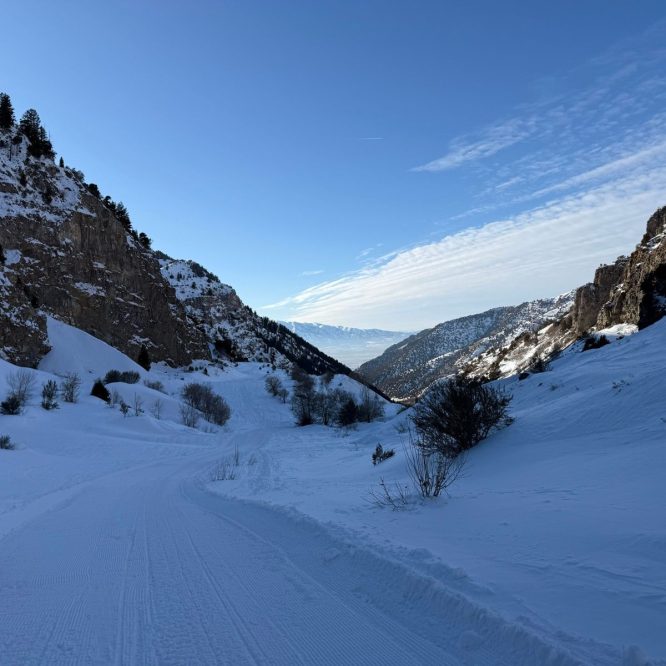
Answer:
x=120 y=543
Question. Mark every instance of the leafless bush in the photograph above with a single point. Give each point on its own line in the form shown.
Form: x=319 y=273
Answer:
x=430 y=471
x=6 y=443
x=396 y=496
x=114 y=398
x=189 y=415
x=283 y=394
x=124 y=408
x=227 y=469
x=370 y=407
x=157 y=408
x=69 y=389
x=201 y=397
x=21 y=384
x=156 y=385
x=138 y=405
x=273 y=385
x=455 y=415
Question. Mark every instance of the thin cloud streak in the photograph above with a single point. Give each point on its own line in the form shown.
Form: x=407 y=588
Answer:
x=538 y=253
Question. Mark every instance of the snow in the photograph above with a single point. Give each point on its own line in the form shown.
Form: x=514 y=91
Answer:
x=116 y=546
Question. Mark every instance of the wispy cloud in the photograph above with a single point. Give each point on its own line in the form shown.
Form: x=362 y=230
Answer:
x=310 y=273
x=541 y=252
x=370 y=138
x=569 y=182
x=491 y=141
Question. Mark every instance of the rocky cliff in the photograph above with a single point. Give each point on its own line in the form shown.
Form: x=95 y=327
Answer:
x=632 y=291
x=66 y=254
x=233 y=329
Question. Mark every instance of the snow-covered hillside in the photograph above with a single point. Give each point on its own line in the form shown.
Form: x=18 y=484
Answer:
x=352 y=346
x=120 y=543
x=405 y=370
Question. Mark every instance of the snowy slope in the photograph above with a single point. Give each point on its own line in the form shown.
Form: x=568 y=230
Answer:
x=405 y=370
x=117 y=546
x=352 y=346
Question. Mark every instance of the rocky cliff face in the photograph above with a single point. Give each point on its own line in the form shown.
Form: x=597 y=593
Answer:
x=408 y=368
x=65 y=254
x=632 y=291
x=233 y=329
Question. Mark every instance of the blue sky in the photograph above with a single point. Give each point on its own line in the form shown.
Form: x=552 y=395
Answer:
x=375 y=164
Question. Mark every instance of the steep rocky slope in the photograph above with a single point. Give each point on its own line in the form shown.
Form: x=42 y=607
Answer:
x=66 y=254
x=631 y=291
x=406 y=369
x=232 y=328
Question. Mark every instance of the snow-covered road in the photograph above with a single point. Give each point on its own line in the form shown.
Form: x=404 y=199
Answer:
x=146 y=567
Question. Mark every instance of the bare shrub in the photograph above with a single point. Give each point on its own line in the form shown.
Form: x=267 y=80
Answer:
x=70 y=387
x=273 y=385
x=156 y=385
x=156 y=409
x=212 y=406
x=21 y=384
x=6 y=443
x=455 y=415
x=114 y=398
x=283 y=394
x=370 y=407
x=189 y=415
x=124 y=408
x=49 y=395
x=138 y=405
x=430 y=471
x=395 y=496
x=125 y=376
x=227 y=469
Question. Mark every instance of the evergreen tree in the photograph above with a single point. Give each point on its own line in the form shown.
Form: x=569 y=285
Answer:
x=61 y=164
x=38 y=141
x=145 y=240
x=6 y=112
x=143 y=359
x=123 y=215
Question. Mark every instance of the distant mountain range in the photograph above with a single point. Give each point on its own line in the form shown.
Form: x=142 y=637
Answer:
x=409 y=367
x=352 y=346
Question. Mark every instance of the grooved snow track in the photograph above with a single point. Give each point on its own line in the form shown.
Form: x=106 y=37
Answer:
x=148 y=568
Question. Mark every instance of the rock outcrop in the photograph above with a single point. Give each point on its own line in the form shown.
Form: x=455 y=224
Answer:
x=632 y=290
x=67 y=255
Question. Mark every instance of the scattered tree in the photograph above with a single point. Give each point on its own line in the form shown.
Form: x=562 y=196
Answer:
x=21 y=384
x=7 y=118
x=49 y=395
x=100 y=391
x=143 y=359
x=202 y=398
x=38 y=142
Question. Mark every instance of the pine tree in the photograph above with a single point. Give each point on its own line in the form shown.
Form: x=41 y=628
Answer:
x=145 y=240
x=38 y=140
x=123 y=215
x=61 y=164
x=143 y=359
x=6 y=112
x=29 y=125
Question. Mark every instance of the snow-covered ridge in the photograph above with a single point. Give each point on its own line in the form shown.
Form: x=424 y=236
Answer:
x=234 y=330
x=407 y=369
